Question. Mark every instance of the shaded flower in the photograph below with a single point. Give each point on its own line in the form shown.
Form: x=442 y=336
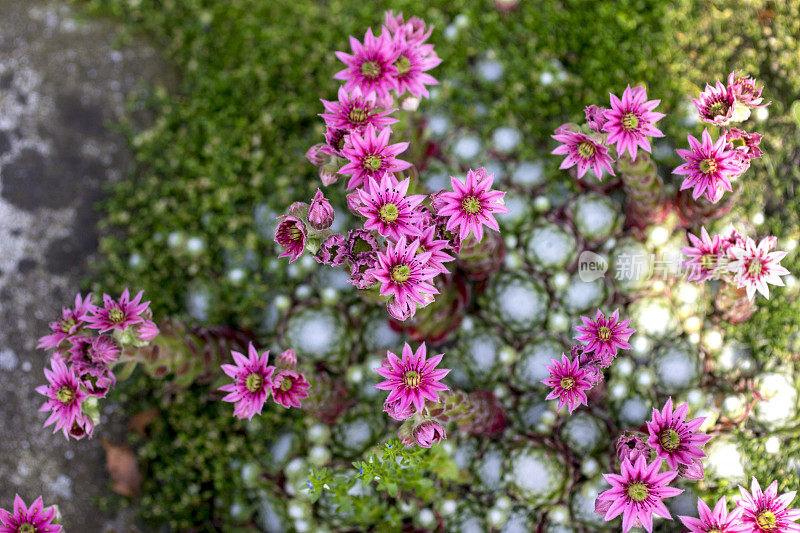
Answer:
x=147 y=331
x=471 y=205
x=412 y=379
x=585 y=152
x=332 y=251
x=705 y=257
x=596 y=117
x=402 y=273
x=291 y=235
x=675 y=439
x=316 y=156
x=413 y=60
x=568 y=381
x=370 y=67
x=604 y=335
x=72 y=319
x=427 y=433
x=118 y=314
x=289 y=387
x=388 y=209
x=717 y=521
x=766 y=512
x=631 y=121
x=354 y=110
x=756 y=266
x=637 y=493
x=83 y=426
x=335 y=141
x=371 y=156
x=320 y=212
x=287 y=359
x=64 y=395
x=631 y=447
x=715 y=105
x=708 y=168
x=252 y=382
x=24 y=519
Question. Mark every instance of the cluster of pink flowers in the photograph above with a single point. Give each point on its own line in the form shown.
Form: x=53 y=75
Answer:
x=626 y=126
x=571 y=378
x=87 y=342
x=404 y=239
x=711 y=165
x=637 y=491
x=254 y=381
x=414 y=383
x=756 y=511
x=735 y=259
x=29 y=519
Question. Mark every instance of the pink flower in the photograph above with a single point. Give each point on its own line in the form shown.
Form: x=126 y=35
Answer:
x=316 y=156
x=717 y=521
x=471 y=205
x=412 y=379
x=24 y=519
x=64 y=395
x=568 y=381
x=412 y=62
x=585 y=152
x=147 y=331
x=766 y=512
x=335 y=141
x=252 y=382
x=371 y=66
x=388 y=209
x=393 y=410
x=320 y=212
x=631 y=447
x=604 y=335
x=705 y=256
x=402 y=273
x=427 y=433
x=429 y=243
x=673 y=438
x=354 y=110
x=596 y=117
x=743 y=88
x=287 y=359
x=631 y=120
x=83 y=426
x=715 y=105
x=745 y=147
x=94 y=351
x=332 y=251
x=289 y=388
x=708 y=168
x=118 y=314
x=71 y=321
x=291 y=235
x=371 y=156
x=756 y=266
x=637 y=492
x=413 y=29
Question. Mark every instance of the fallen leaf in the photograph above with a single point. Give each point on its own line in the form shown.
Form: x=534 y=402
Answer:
x=121 y=466
x=140 y=421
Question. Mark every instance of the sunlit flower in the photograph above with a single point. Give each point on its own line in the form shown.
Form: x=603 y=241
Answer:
x=412 y=379
x=568 y=381
x=755 y=266
x=675 y=439
x=402 y=273
x=371 y=66
x=471 y=205
x=766 y=512
x=715 y=105
x=708 y=168
x=389 y=209
x=717 y=521
x=705 y=256
x=585 y=152
x=631 y=121
x=354 y=110
x=371 y=156
x=604 y=335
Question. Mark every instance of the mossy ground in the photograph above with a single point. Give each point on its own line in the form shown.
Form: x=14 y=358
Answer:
x=226 y=154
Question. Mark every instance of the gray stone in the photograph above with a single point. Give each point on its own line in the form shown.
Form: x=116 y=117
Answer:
x=61 y=85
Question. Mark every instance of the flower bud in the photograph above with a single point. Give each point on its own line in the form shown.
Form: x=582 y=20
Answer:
x=631 y=447
x=428 y=432
x=320 y=214
x=317 y=156
x=147 y=331
x=328 y=174
x=393 y=409
x=287 y=359
x=298 y=209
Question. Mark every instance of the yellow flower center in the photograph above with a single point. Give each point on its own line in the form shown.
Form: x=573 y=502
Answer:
x=373 y=162
x=471 y=205
x=403 y=65
x=755 y=268
x=67 y=324
x=254 y=382
x=604 y=333
x=766 y=520
x=389 y=212
x=669 y=439
x=718 y=108
x=708 y=166
x=637 y=492
x=115 y=314
x=630 y=122
x=370 y=69
x=708 y=261
x=27 y=527
x=65 y=395
x=567 y=383
x=412 y=379
x=586 y=150
x=401 y=273
x=357 y=115
x=286 y=384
